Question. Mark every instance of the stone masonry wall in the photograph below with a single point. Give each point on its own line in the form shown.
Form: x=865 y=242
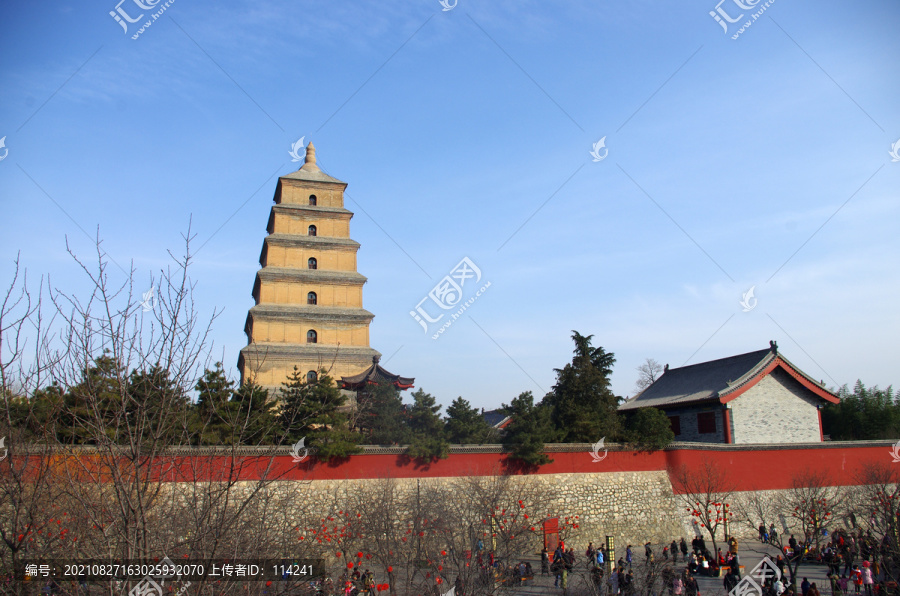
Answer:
x=633 y=507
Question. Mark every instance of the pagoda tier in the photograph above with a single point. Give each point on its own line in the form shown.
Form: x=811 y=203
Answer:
x=308 y=309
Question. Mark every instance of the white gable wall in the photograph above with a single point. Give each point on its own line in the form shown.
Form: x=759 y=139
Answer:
x=778 y=409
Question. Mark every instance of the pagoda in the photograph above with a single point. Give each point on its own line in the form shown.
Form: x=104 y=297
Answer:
x=308 y=293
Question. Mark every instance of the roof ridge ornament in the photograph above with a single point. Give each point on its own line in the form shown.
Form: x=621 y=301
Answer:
x=773 y=345
x=310 y=164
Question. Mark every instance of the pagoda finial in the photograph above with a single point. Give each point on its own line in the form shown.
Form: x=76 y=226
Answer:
x=310 y=163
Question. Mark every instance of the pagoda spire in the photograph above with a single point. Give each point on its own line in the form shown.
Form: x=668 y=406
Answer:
x=310 y=163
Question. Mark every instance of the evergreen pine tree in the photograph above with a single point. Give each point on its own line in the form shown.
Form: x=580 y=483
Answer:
x=212 y=420
x=157 y=409
x=465 y=425
x=256 y=422
x=92 y=411
x=382 y=416
x=312 y=410
x=528 y=430
x=428 y=440
x=649 y=429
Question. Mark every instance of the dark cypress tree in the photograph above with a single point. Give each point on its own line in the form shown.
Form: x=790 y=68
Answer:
x=428 y=441
x=583 y=408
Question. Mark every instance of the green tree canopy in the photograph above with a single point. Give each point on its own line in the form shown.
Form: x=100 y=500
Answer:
x=649 y=429
x=313 y=411
x=529 y=429
x=382 y=416
x=465 y=425
x=583 y=408
x=255 y=418
x=866 y=413
x=428 y=441
x=212 y=422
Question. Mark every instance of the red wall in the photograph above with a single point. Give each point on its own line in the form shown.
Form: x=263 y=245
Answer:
x=775 y=468
x=749 y=468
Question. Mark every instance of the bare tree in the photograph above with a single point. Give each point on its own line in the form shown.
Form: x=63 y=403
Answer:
x=705 y=492
x=97 y=406
x=876 y=503
x=648 y=372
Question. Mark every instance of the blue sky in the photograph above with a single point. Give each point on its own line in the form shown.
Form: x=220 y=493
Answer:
x=761 y=161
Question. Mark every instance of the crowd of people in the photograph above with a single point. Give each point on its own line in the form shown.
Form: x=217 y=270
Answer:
x=852 y=560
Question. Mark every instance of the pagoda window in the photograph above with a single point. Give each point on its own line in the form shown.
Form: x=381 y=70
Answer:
x=311 y=298
x=312 y=377
x=312 y=230
x=312 y=337
x=312 y=263
x=312 y=200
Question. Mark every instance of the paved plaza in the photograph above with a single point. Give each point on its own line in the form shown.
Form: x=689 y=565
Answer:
x=751 y=553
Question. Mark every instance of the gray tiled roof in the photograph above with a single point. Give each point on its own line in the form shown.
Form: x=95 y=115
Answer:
x=705 y=381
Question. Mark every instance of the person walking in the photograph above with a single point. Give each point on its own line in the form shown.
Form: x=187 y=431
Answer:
x=674 y=548
x=690 y=586
x=804 y=587
x=857 y=579
x=629 y=556
x=868 y=578
x=683 y=548
x=545 y=562
x=648 y=553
